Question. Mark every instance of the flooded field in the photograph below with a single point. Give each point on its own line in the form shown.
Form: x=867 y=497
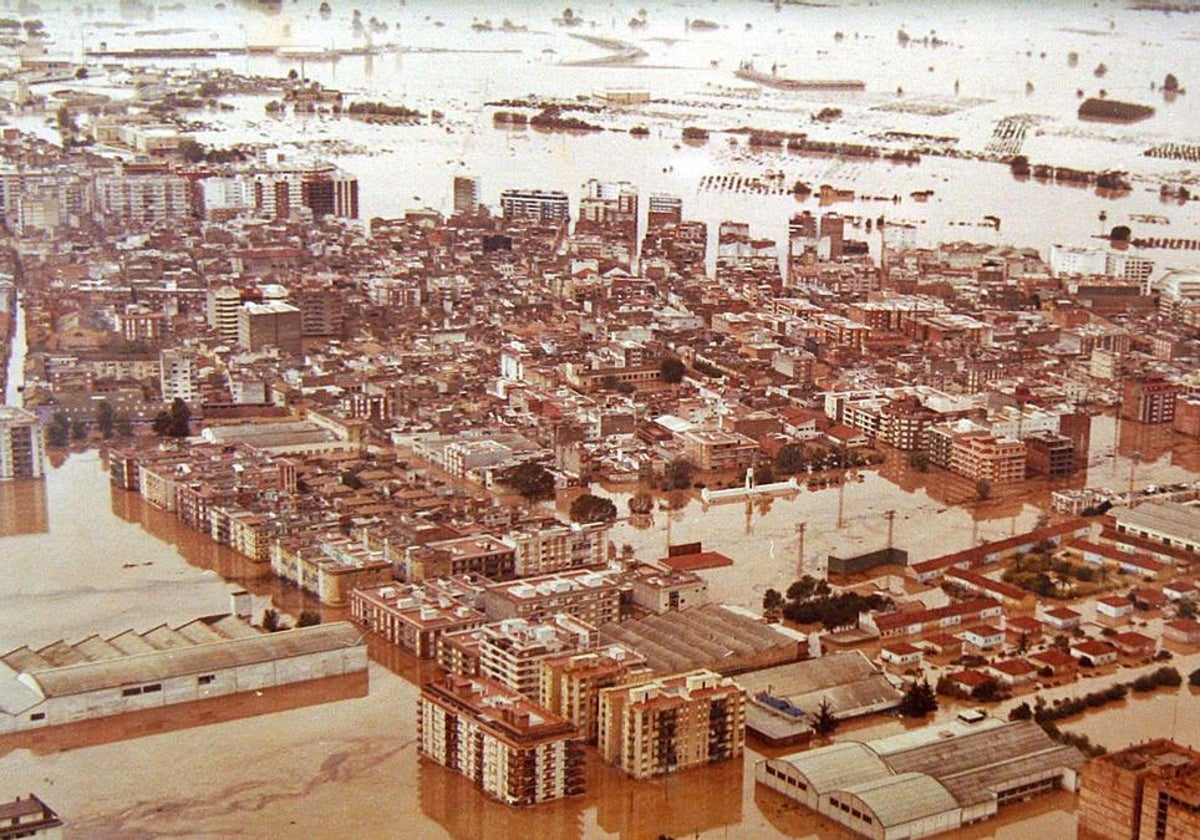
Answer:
x=952 y=81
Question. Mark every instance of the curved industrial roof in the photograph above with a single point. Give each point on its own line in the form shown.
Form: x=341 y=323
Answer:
x=838 y=766
x=901 y=799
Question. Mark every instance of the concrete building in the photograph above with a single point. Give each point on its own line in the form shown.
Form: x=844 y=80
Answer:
x=570 y=683
x=1149 y=399
x=593 y=596
x=330 y=568
x=1150 y=791
x=413 y=617
x=665 y=590
x=177 y=376
x=984 y=457
x=144 y=198
x=322 y=188
x=466 y=195
x=539 y=205
x=29 y=817
x=222 y=310
x=511 y=651
x=924 y=782
x=672 y=723
x=513 y=750
x=22 y=445
x=130 y=672
x=272 y=323
x=555 y=547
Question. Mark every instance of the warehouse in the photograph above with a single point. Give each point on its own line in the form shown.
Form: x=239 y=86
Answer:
x=130 y=672
x=925 y=782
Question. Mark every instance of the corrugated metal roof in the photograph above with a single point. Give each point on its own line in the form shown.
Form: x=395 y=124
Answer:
x=204 y=658
x=900 y=799
x=15 y=696
x=838 y=766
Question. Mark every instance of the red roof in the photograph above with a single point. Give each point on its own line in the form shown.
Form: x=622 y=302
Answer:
x=1014 y=667
x=1094 y=647
x=971 y=679
x=1054 y=657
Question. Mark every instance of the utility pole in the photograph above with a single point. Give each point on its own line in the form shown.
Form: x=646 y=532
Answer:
x=841 y=522
x=800 y=529
x=891 y=520
x=1133 y=463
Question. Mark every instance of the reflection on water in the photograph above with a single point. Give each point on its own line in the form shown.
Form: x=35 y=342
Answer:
x=23 y=508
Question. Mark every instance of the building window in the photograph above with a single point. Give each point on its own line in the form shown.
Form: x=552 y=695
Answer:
x=148 y=689
x=131 y=692
x=38 y=716
x=206 y=679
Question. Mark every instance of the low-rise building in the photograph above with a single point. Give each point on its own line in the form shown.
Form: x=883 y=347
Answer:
x=29 y=817
x=932 y=780
x=134 y=672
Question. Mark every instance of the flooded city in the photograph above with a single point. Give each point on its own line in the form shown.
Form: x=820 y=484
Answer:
x=351 y=449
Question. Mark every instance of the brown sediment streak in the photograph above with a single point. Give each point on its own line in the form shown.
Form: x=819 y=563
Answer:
x=353 y=759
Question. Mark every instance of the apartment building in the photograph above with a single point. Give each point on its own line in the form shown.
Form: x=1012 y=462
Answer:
x=593 y=596
x=1149 y=399
x=546 y=548
x=672 y=723
x=411 y=617
x=22 y=445
x=540 y=205
x=984 y=457
x=511 y=651
x=570 y=683
x=513 y=750
x=1150 y=791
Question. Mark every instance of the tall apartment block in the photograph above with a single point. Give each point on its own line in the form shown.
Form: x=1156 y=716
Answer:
x=540 y=205
x=22 y=445
x=177 y=376
x=1149 y=791
x=323 y=188
x=570 y=683
x=511 y=748
x=273 y=323
x=1149 y=399
x=663 y=210
x=466 y=195
x=672 y=723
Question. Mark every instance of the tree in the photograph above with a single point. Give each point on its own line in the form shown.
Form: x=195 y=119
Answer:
x=679 y=474
x=988 y=690
x=790 y=459
x=671 y=370
x=1194 y=678
x=59 y=430
x=1021 y=712
x=824 y=723
x=1170 y=83
x=78 y=430
x=641 y=504
x=270 y=620
x=105 y=418
x=1185 y=608
x=190 y=150
x=592 y=508
x=763 y=474
x=175 y=422
x=919 y=700
x=308 y=618
x=919 y=461
x=772 y=600
x=124 y=426
x=983 y=489
x=530 y=479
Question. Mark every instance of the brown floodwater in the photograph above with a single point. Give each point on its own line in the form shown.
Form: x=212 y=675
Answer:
x=346 y=768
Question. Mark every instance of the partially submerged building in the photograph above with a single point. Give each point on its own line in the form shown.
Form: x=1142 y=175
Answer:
x=925 y=782
x=206 y=658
